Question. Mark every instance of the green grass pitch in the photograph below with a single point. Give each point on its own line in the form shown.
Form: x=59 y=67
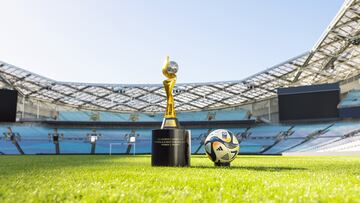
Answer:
x=101 y=178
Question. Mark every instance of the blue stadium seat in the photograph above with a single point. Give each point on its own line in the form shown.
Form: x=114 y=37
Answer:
x=250 y=149
x=7 y=147
x=283 y=145
x=267 y=130
x=310 y=144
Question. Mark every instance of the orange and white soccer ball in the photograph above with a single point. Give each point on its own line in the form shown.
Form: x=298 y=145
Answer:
x=221 y=146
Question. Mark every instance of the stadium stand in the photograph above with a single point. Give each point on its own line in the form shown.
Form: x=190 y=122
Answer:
x=352 y=99
x=259 y=139
x=216 y=115
x=349 y=107
x=348 y=144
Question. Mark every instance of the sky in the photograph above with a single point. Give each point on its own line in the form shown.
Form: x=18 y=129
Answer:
x=126 y=41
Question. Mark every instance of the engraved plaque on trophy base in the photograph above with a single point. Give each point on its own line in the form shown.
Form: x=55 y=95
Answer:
x=171 y=147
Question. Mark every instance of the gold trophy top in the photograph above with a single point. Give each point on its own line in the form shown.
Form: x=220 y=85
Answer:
x=170 y=68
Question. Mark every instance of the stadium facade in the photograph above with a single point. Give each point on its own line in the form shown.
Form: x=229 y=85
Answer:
x=68 y=117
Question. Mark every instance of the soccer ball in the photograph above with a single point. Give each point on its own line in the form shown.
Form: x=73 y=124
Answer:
x=173 y=67
x=221 y=146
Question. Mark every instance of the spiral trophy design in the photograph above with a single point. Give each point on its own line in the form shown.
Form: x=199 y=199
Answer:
x=169 y=70
x=170 y=143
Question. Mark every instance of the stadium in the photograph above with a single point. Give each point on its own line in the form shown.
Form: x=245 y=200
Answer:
x=298 y=125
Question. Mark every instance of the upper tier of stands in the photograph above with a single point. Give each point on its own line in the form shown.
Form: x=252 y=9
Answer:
x=219 y=115
x=352 y=99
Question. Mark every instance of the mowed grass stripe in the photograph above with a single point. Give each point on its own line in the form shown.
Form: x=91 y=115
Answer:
x=82 y=178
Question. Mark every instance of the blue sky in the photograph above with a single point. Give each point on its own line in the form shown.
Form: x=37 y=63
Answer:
x=118 y=41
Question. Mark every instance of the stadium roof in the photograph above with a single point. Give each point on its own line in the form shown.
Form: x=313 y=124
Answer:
x=334 y=58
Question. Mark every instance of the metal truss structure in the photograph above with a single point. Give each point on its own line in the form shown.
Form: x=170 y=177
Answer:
x=334 y=58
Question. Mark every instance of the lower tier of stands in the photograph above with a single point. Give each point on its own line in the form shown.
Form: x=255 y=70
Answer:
x=32 y=138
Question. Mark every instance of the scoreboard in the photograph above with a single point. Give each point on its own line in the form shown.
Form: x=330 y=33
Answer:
x=309 y=102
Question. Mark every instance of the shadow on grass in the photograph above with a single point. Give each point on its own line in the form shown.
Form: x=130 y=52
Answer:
x=254 y=168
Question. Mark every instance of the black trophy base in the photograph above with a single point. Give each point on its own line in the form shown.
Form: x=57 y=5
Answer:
x=170 y=147
x=218 y=164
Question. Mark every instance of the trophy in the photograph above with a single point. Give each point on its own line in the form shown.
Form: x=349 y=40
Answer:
x=170 y=144
x=169 y=70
